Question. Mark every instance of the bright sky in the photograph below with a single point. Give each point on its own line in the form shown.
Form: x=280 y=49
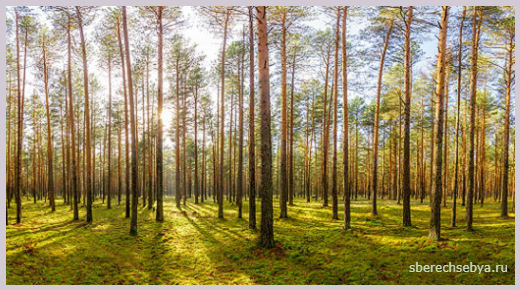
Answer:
x=210 y=45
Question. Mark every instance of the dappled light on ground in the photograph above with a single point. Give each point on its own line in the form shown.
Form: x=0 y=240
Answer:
x=193 y=246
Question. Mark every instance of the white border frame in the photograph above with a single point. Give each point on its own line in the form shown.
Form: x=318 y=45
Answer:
x=228 y=2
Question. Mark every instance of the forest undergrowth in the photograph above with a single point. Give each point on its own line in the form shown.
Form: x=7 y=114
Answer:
x=193 y=246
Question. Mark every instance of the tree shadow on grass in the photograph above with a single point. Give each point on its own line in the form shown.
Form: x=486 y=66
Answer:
x=60 y=228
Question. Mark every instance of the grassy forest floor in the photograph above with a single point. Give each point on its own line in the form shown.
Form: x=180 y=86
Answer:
x=192 y=246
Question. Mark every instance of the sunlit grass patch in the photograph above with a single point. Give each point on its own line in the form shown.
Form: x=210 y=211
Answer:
x=193 y=246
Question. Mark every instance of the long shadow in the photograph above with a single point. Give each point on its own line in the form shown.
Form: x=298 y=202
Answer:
x=60 y=235
x=53 y=227
x=319 y=241
x=222 y=226
x=208 y=236
x=158 y=251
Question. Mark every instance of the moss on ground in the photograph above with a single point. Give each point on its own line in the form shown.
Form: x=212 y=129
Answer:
x=193 y=246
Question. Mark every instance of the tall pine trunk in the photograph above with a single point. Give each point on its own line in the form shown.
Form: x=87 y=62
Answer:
x=435 y=215
x=266 y=185
x=346 y=181
x=335 y=122
x=50 y=173
x=109 y=177
x=457 y=126
x=473 y=99
x=127 y=143
x=74 y=173
x=291 y=134
x=20 y=104
x=133 y=220
x=283 y=143
x=375 y=141
x=325 y=136
x=88 y=140
x=507 y=113
x=407 y=220
x=159 y=151
x=222 y=117
x=251 y=137
x=240 y=188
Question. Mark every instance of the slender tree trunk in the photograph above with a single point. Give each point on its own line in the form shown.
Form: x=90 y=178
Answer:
x=346 y=181
x=222 y=117
x=102 y=173
x=184 y=169
x=178 y=195
x=307 y=153
x=20 y=103
x=496 y=187
x=483 y=144
x=266 y=185
x=335 y=121
x=432 y=140
x=159 y=150
x=74 y=173
x=109 y=183
x=325 y=139
x=195 y=153
x=407 y=221
x=88 y=140
x=423 y=188
x=283 y=142
x=356 y=185
x=375 y=141
x=9 y=153
x=464 y=156
x=34 y=155
x=229 y=188
x=149 y=142
x=119 y=175
x=459 y=91
x=127 y=142
x=505 y=158
x=143 y=142
x=50 y=173
x=251 y=138
x=240 y=187
x=92 y=128
x=203 y=173
x=435 y=216
x=477 y=20
x=446 y=168
x=291 y=134
x=133 y=221
x=313 y=141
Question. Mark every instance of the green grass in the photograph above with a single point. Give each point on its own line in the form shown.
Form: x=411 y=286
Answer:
x=193 y=246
